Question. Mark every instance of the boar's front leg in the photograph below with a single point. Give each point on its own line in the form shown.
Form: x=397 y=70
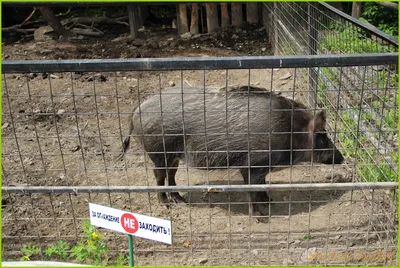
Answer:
x=257 y=199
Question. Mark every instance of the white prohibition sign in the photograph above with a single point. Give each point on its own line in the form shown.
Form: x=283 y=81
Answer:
x=131 y=223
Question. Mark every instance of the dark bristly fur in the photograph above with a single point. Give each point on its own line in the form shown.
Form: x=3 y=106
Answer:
x=217 y=132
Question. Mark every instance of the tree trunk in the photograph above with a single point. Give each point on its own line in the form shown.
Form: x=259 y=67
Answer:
x=252 y=12
x=53 y=21
x=194 y=20
x=356 y=10
x=132 y=20
x=237 y=14
x=212 y=17
x=224 y=15
x=183 y=19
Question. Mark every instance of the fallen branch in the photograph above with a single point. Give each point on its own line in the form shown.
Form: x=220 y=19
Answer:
x=18 y=27
x=43 y=20
x=28 y=18
x=95 y=20
x=389 y=5
x=89 y=27
x=87 y=32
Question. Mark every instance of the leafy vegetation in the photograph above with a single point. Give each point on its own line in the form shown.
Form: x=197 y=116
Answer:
x=92 y=250
x=383 y=18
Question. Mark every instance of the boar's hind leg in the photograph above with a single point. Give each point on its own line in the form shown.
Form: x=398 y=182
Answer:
x=160 y=173
x=257 y=176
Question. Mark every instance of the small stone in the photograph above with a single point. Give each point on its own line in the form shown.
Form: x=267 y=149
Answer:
x=256 y=83
x=174 y=24
x=60 y=112
x=282 y=242
x=124 y=78
x=137 y=42
x=186 y=35
x=5 y=126
x=170 y=39
x=234 y=36
x=286 y=76
x=334 y=177
x=76 y=148
x=284 y=82
x=203 y=261
x=254 y=251
x=337 y=237
x=102 y=78
x=263 y=49
x=171 y=83
x=378 y=68
x=54 y=76
x=373 y=236
x=196 y=36
x=288 y=262
x=295 y=242
x=32 y=75
x=187 y=244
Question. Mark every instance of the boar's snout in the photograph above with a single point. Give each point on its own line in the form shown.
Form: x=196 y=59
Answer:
x=336 y=159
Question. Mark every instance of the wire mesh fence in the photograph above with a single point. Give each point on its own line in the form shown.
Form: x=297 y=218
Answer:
x=317 y=28
x=65 y=132
x=281 y=160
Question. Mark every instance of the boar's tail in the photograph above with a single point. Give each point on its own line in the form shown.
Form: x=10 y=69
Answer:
x=125 y=144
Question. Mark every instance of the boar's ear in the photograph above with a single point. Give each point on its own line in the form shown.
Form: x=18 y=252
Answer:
x=319 y=121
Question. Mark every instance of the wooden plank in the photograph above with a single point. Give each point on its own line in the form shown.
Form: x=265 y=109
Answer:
x=183 y=19
x=194 y=19
x=224 y=15
x=252 y=12
x=237 y=14
x=212 y=17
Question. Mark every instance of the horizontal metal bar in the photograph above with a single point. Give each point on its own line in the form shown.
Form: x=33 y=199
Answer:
x=201 y=188
x=80 y=4
x=197 y=63
x=363 y=25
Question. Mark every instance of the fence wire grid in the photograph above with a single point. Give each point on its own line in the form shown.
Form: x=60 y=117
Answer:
x=63 y=132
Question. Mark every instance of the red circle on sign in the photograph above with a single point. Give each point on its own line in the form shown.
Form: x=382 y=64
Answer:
x=129 y=223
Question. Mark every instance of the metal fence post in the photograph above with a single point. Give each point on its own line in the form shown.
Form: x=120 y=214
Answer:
x=312 y=50
x=275 y=25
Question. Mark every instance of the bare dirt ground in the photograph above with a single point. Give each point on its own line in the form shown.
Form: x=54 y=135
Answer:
x=66 y=129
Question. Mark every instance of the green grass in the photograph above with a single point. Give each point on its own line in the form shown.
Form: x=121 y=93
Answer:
x=342 y=39
x=371 y=166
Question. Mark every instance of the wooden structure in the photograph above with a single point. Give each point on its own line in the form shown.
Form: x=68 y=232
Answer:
x=217 y=15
